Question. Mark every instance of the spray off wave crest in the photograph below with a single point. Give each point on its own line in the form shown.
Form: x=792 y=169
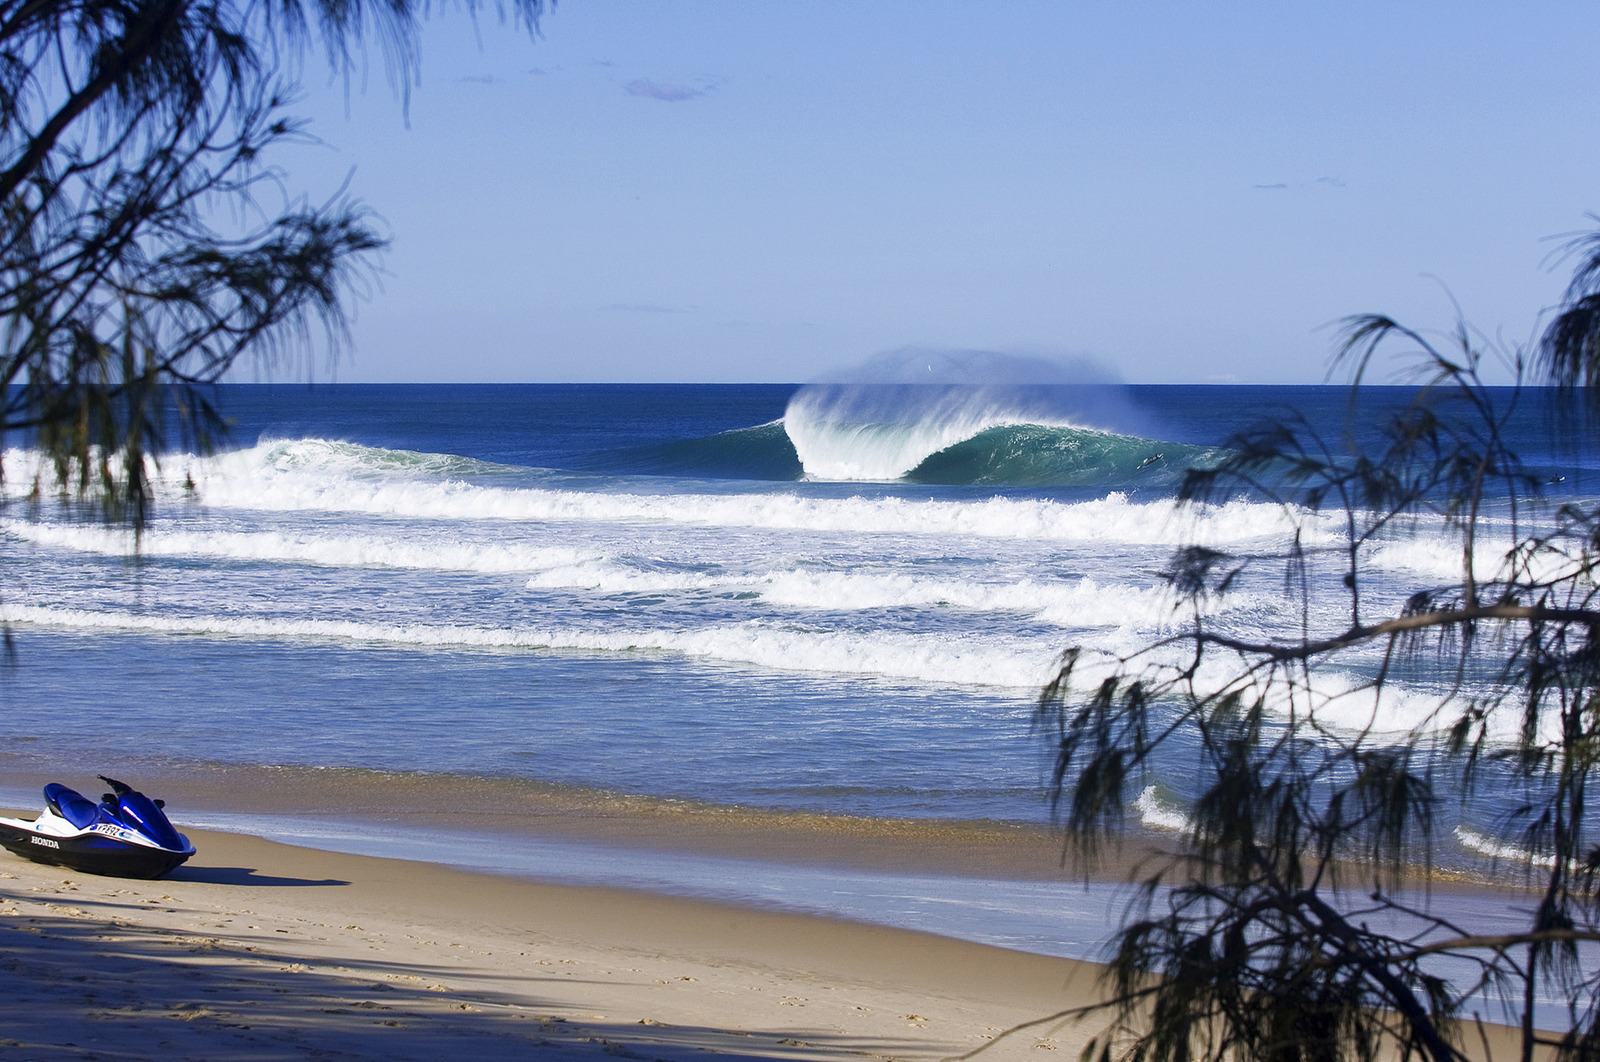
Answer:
x=886 y=432
x=970 y=417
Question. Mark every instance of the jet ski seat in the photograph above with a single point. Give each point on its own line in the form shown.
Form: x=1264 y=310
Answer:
x=71 y=805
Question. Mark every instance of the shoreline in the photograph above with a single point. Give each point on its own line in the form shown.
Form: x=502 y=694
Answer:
x=1000 y=884
x=496 y=806
x=268 y=950
x=507 y=807
x=995 y=883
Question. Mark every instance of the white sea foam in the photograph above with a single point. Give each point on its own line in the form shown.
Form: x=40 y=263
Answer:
x=896 y=656
x=1342 y=701
x=1437 y=555
x=1078 y=604
x=1155 y=810
x=834 y=449
x=1159 y=812
x=244 y=483
x=316 y=475
x=330 y=550
x=1339 y=700
x=1075 y=604
x=1483 y=844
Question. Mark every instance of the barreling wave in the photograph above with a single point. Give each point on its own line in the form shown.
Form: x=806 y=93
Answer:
x=962 y=434
x=991 y=451
x=1039 y=455
x=979 y=453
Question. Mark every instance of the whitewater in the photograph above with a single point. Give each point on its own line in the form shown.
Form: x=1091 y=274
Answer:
x=816 y=599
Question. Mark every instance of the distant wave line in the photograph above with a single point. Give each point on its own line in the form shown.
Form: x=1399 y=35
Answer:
x=243 y=480
x=1077 y=603
x=882 y=655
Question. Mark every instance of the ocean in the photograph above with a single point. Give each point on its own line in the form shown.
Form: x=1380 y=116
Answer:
x=793 y=599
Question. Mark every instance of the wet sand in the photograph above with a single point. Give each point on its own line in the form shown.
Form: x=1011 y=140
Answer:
x=260 y=950
x=524 y=808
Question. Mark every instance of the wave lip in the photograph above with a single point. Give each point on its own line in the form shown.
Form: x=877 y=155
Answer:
x=964 y=433
x=882 y=432
x=1035 y=455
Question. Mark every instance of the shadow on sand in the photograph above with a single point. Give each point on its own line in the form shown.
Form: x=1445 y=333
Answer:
x=86 y=983
x=244 y=876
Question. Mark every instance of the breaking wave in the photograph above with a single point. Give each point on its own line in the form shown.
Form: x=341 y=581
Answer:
x=317 y=475
x=962 y=434
x=877 y=654
x=996 y=452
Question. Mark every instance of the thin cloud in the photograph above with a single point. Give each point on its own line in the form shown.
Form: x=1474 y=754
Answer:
x=662 y=90
x=1320 y=182
x=642 y=307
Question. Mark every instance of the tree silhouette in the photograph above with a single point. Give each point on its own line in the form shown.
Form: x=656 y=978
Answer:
x=1292 y=922
x=146 y=243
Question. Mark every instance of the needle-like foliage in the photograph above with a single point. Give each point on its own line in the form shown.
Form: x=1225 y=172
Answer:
x=146 y=243
x=1292 y=923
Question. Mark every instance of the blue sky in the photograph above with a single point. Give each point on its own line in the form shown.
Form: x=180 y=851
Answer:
x=724 y=190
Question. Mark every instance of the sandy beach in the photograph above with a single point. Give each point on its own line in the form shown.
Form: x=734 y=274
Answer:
x=258 y=950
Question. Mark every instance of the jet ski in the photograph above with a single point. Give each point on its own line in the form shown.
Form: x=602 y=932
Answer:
x=126 y=835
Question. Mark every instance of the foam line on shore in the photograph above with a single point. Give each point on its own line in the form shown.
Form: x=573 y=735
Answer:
x=1069 y=919
x=258 y=949
x=1055 y=918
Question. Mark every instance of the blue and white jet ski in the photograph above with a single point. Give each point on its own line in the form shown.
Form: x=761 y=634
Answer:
x=126 y=835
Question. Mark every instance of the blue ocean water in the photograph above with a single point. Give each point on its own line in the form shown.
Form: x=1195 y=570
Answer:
x=768 y=596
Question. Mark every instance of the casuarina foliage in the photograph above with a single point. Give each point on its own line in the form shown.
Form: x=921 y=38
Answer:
x=1293 y=922
x=146 y=241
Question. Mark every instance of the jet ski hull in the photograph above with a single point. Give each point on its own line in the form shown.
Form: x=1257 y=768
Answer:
x=91 y=853
x=126 y=835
